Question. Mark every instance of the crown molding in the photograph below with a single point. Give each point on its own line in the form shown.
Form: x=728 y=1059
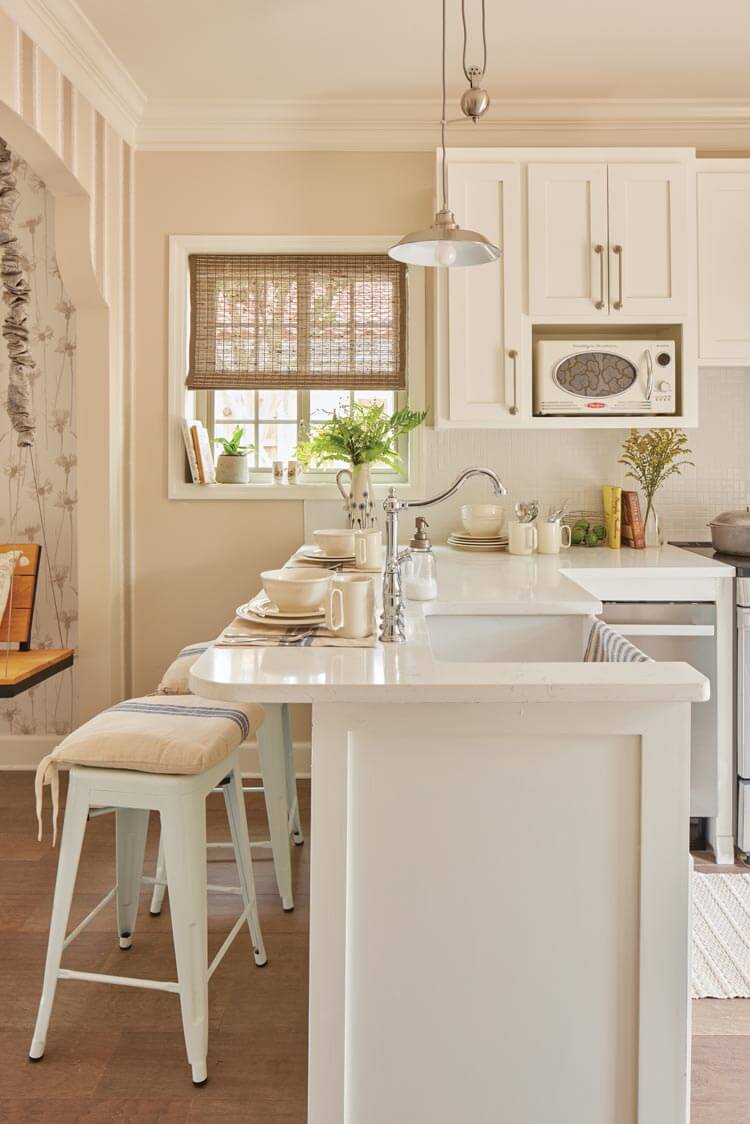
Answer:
x=413 y=125
x=61 y=30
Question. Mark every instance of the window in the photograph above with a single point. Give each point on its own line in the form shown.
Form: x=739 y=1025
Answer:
x=279 y=341
x=274 y=420
x=274 y=333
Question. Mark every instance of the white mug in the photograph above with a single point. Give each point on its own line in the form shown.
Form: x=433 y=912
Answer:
x=350 y=606
x=522 y=538
x=552 y=537
x=278 y=472
x=368 y=549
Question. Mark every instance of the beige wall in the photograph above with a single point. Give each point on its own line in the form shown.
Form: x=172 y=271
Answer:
x=194 y=561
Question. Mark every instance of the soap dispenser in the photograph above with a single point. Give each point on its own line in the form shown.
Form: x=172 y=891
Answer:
x=420 y=577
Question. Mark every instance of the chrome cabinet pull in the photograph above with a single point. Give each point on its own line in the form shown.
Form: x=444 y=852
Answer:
x=599 y=249
x=618 y=251
x=649 y=376
x=513 y=354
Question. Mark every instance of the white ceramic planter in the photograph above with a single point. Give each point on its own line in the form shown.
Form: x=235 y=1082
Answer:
x=231 y=470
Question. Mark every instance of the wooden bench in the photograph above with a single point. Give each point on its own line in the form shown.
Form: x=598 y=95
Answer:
x=22 y=668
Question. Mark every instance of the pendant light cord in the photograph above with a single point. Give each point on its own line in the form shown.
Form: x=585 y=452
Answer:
x=466 y=38
x=444 y=176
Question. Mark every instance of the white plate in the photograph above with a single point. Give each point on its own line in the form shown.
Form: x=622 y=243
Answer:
x=261 y=609
x=315 y=554
x=478 y=542
x=463 y=536
x=478 y=546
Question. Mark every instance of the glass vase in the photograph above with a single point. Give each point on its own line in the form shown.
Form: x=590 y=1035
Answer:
x=652 y=527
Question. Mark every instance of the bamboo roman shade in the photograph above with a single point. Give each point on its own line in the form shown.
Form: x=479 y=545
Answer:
x=297 y=320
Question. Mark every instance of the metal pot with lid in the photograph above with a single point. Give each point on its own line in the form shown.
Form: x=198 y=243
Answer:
x=730 y=532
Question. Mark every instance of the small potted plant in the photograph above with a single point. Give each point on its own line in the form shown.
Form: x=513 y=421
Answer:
x=231 y=467
x=651 y=457
x=362 y=434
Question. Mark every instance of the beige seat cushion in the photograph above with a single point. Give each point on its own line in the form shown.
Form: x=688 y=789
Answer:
x=173 y=734
x=175 y=680
x=182 y=734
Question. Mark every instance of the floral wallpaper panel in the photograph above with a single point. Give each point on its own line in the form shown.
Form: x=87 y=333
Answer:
x=29 y=508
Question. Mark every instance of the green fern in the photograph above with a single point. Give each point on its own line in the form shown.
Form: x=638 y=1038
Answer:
x=363 y=434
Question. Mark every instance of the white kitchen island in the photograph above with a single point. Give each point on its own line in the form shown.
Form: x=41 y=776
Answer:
x=499 y=926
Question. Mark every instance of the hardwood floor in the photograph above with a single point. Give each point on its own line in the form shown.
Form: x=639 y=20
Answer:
x=116 y=1054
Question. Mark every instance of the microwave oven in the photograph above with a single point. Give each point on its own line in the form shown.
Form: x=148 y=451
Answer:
x=573 y=377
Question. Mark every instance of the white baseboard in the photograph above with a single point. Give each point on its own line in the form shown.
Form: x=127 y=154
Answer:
x=19 y=751
x=25 y=752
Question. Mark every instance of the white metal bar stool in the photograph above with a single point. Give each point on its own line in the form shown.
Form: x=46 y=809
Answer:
x=279 y=786
x=180 y=800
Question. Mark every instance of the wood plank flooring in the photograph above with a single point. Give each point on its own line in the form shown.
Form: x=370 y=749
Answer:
x=117 y=1055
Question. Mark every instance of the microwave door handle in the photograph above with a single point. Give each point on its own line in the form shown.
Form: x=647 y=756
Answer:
x=649 y=375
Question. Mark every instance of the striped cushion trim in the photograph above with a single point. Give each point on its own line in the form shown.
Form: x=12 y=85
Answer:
x=607 y=645
x=237 y=716
x=193 y=650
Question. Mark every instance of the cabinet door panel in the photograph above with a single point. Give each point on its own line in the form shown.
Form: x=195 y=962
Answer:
x=723 y=256
x=647 y=221
x=484 y=302
x=567 y=222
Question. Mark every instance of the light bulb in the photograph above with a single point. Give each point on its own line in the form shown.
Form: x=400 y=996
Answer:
x=445 y=253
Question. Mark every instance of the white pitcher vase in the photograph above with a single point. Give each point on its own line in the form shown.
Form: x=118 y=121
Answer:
x=359 y=505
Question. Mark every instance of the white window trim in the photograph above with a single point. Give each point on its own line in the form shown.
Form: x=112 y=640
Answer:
x=180 y=246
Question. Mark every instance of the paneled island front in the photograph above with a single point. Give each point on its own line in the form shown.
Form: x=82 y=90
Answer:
x=500 y=875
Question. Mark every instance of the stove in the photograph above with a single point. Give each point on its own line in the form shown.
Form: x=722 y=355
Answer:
x=741 y=562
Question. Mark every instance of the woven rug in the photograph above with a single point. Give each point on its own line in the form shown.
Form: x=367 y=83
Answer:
x=721 y=936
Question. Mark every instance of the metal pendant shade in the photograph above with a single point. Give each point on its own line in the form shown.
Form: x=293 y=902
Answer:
x=445 y=243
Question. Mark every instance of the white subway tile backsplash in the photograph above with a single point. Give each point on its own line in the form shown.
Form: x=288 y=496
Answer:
x=572 y=464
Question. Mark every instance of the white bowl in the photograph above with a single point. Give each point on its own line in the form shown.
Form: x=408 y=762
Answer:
x=297 y=589
x=482 y=519
x=335 y=544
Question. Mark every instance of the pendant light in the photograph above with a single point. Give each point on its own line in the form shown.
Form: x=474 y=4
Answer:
x=445 y=243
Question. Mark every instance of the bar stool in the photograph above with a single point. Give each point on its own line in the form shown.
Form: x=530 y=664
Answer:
x=163 y=755
x=279 y=787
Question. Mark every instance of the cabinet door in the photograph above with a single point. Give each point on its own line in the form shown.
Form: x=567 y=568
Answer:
x=647 y=240
x=484 y=302
x=568 y=241
x=723 y=274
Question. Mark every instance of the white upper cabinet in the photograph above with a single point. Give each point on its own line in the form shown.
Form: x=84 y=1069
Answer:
x=568 y=240
x=723 y=256
x=484 y=302
x=647 y=239
x=607 y=241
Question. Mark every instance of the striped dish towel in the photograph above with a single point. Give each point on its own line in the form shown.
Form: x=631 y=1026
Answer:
x=607 y=645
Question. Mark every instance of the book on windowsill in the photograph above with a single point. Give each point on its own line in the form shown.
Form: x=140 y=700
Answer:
x=633 y=533
x=205 y=456
x=192 y=460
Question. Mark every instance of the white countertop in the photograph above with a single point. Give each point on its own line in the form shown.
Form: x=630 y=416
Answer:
x=473 y=585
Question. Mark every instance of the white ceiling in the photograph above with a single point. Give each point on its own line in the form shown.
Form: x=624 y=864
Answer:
x=281 y=50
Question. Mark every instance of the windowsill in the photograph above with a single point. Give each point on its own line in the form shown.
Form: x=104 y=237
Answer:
x=257 y=491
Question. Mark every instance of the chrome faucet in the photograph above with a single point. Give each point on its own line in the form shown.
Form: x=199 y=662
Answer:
x=392 y=629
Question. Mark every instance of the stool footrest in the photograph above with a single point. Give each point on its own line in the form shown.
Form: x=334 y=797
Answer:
x=225 y=947
x=93 y=812
x=121 y=981
x=89 y=917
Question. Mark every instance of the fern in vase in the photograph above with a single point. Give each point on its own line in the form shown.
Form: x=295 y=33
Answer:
x=361 y=435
